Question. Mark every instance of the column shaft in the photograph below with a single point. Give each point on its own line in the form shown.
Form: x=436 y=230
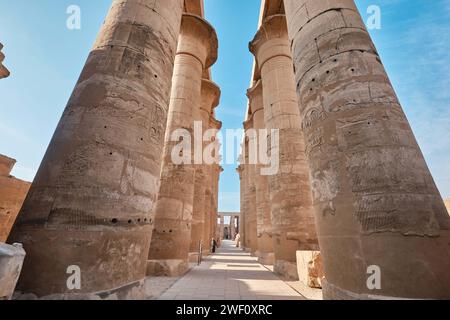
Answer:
x=90 y=204
x=375 y=200
x=210 y=96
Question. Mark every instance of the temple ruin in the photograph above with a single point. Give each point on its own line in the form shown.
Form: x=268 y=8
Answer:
x=121 y=198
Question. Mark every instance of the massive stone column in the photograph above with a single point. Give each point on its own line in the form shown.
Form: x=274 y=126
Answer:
x=12 y=194
x=91 y=201
x=169 y=249
x=206 y=238
x=4 y=73
x=250 y=192
x=240 y=169
x=210 y=96
x=377 y=206
x=263 y=210
x=290 y=192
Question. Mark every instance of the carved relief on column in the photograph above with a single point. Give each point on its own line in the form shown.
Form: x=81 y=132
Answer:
x=290 y=191
x=375 y=200
x=197 y=51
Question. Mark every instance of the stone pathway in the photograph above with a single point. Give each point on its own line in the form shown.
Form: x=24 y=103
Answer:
x=230 y=274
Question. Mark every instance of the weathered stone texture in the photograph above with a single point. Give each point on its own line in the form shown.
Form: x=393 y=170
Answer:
x=12 y=194
x=197 y=51
x=92 y=198
x=447 y=205
x=376 y=202
x=290 y=192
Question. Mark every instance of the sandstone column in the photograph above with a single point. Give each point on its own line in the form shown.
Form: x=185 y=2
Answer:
x=4 y=73
x=210 y=96
x=169 y=249
x=375 y=200
x=215 y=197
x=290 y=192
x=250 y=192
x=263 y=211
x=91 y=201
x=12 y=194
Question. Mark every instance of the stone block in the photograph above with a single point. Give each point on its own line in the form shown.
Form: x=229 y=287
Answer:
x=11 y=261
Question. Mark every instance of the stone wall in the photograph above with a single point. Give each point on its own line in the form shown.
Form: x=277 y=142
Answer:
x=12 y=194
x=447 y=204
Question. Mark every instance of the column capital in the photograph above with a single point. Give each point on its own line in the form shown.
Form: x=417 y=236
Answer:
x=210 y=95
x=199 y=39
x=271 y=40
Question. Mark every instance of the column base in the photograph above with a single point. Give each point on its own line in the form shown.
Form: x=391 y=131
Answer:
x=131 y=291
x=266 y=258
x=167 y=268
x=286 y=269
x=332 y=292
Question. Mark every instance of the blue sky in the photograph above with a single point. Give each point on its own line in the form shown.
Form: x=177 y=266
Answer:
x=45 y=59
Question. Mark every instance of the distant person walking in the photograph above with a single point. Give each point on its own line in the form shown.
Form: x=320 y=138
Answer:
x=213 y=245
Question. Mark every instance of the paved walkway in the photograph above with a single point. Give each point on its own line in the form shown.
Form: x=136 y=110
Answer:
x=230 y=274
